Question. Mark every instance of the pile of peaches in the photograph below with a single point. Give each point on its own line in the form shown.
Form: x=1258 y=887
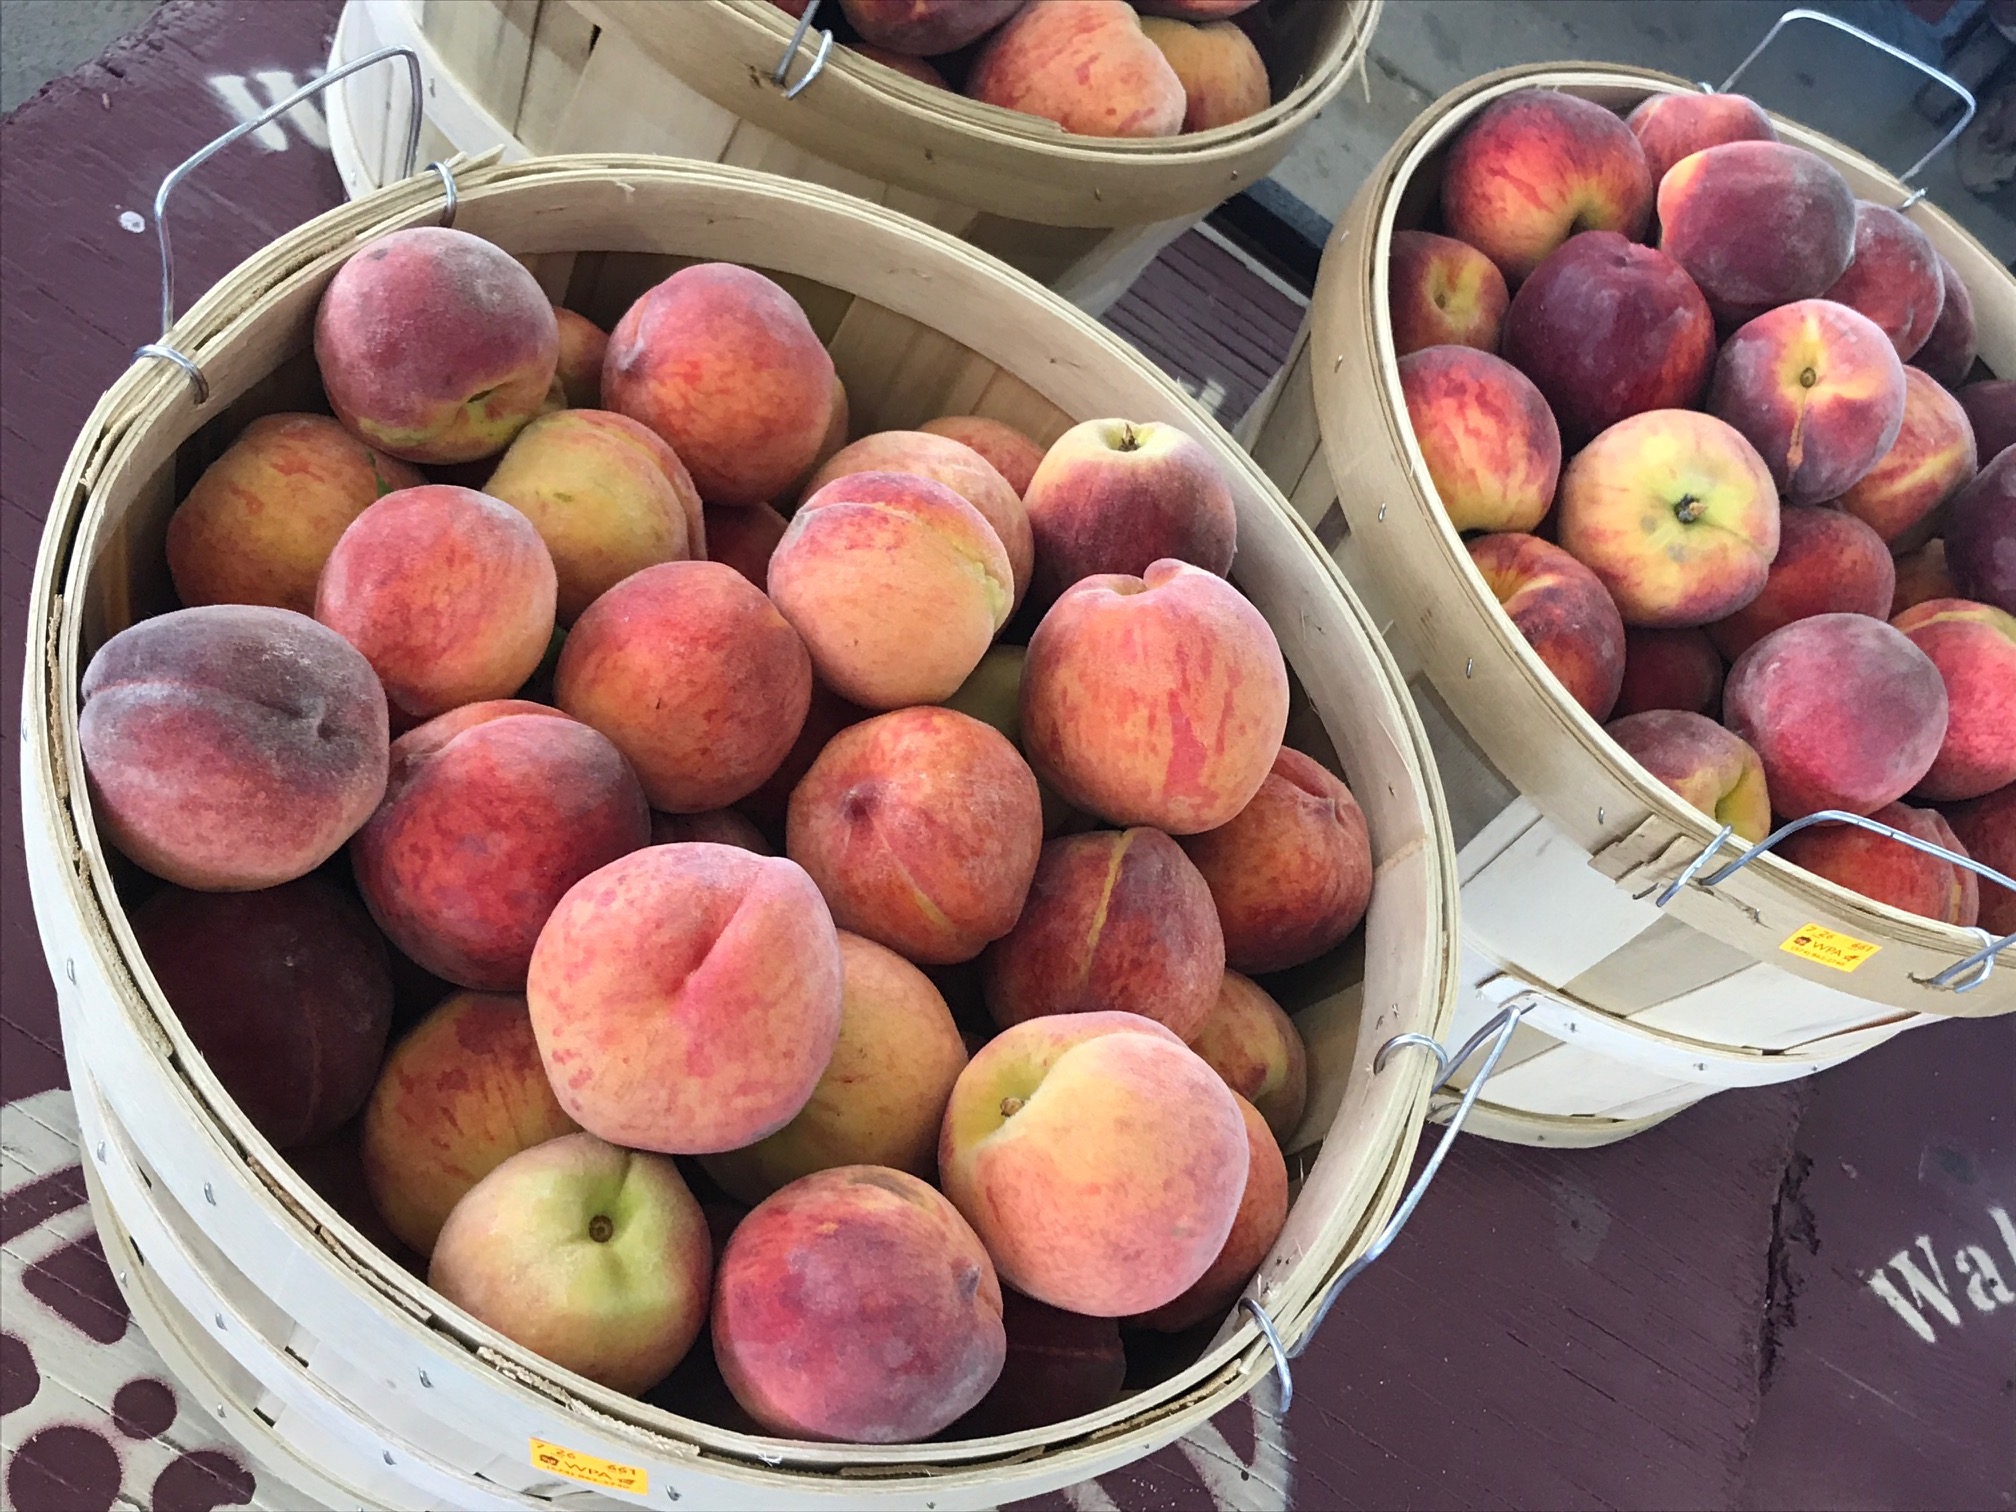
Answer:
x=1095 y=67
x=495 y=697
x=1783 y=507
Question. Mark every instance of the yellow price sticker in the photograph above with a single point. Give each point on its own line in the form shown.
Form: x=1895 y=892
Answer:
x=589 y=1469
x=1829 y=947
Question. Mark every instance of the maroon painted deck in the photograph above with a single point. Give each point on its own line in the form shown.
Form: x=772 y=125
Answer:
x=1685 y=1320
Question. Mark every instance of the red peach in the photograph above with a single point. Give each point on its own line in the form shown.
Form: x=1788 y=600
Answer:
x=1669 y=669
x=1442 y=292
x=744 y=537
x=925 y=28
x=1987 y=827
x=1011 y=453
x=1263 y=1209
x=1086 y=65
x=1489 y=440
x=1712 y=769
x=1887 y=870
x=1932 y=459
x=1981 y=533
x=1673 y=126
x=827 y=715
x=1757 y=224
x=1258 y=1052
x=1827 y=563
x=1948 y=353
x=1894 y=278
x=583 y=345
x=1974 y=647
x=1922 y=575
x=1562 y=610
x=1991 y=409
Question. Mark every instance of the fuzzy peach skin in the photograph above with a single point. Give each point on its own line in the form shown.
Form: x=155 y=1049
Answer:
x=1827 y=563
x=1008 y=450
x=1757 y=224
x=1974 y=647
x=883 y=1094
x=694 y=675
x=1562 y=610
x=744 y=538
x=462 y=1093
x=1060 y=1365
x=462 y=894
x=1116 y=920
x=922 y=829
x=449 y=594
x=897 y=585
x=1085 y=64
x=687 y=997
x=592 y=1256
x=724 y=366
x=827 y=715
x=717 y=826
x=839 y=422
x=1817 y=389
x=1223 y=76
x=925 y=28
x=583 y=345
x=1676 y=515
x=1442 y=292
x=606 y=496
x=1673 y=126
x=1491 y=443
x=231 y=747
x=263 y=518
x=1931 y=460
x=1669 y=669
x=1922 y=575
x=1987 y=827
x=1155 y=700
x=1098 y=1158
x=959 y=468
x=1948 y=352
x=1981 y=533
x=1894 y=278
x=1291 y=875
x=286 y=992
x=435 y=345
x=1263 y=1209
x=857 y=1305
x=1258 y=1051
x=1887 y=870
x=1706 y=765
x=993 y=695
x=1991 y=408
x=1533 y=168
x=1844 y=711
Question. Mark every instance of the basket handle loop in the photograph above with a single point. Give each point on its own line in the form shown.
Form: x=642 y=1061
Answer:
x=1939 y=76
x=1498 y=1034
x=783 y=69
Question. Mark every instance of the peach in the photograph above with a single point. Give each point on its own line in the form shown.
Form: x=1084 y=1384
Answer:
x=462 y=1093
x=1155 y=700
x=1981 y=533
x=1223 y=76
x=1060 y=1365
x=1827 y=563
x=231 y=747
x=925 y=28
x=583 y=345
x=457 y=891
x=1113 y=496
x=694 y=675
x=1948 y=353
x=1008 y=450
x=687 y=997
x=435 y=345
x=285 y=992
x=1757 y=224
x=449 y=594
x=1991 y=408
x=827 y=715
x=264 y=516
x=1930 y=461
x=1888 y=871
x=1442 y=292
x=1607 y=329
x=839 y=420
x=1098 y=1158
x=744 y=537
x=856 y=1304
x=1536 y=166
x=592 y=1256
x=1669 y=669
x=1291 y=874
x=1116 y=920
x=1922 y=575
x=883 y=1094
x=606 y=496
x=1843 y=710
x=993 y=695
x=1974 y=647
x=1673 y=126
x=1894 y=278
x=1194 y=10
x=1987 y=827
x=1676 y=515
x=715 y=826
x=1563 y=611
x=1263 y=1209
x=1489 y=440
x=903 y=63
x=724 y=366
x=1256 y=1049
x=1712 y=769
x=922 y=829
x=1085 y=64
x=959 y=468
x=897 y=585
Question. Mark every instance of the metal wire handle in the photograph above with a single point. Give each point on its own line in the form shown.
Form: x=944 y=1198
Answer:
x=1498 y=1032
x=783 y=69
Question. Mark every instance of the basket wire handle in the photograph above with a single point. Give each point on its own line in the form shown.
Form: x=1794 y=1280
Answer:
x=1498 y=1032
x=1801 y=13
x=245 y=128
x=783 y=69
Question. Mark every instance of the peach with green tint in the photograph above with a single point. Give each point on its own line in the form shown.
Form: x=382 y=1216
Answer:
x=1715 y=771
x=1931 y=460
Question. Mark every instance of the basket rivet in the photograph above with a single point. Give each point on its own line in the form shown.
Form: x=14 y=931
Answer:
x=1700 y=1065
x=122 y=1278
x=220 y=1409
x=425 y=1382
x=70 y=970
x=208 y=1195
x=1469 y=665
x=388 y=1457
x=1382 y=511
x=1599 y=813
x=220 y=1329
x=101 y=1152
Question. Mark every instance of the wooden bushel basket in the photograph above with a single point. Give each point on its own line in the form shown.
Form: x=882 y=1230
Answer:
x=696 y=79
x=367 y=1387
x=1566 y=847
